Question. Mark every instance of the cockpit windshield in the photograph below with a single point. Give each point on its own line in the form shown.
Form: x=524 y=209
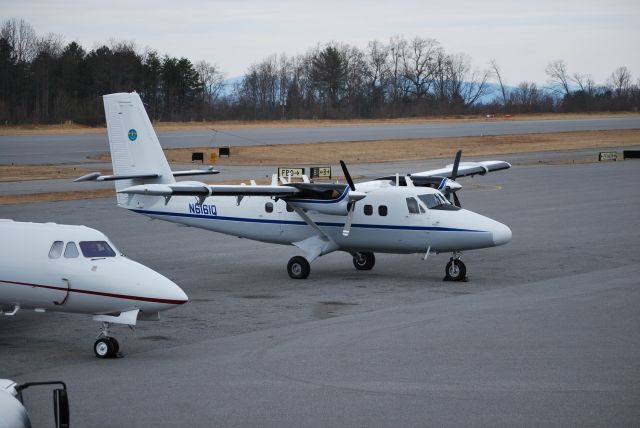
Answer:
x=437 y=201
x=93 y=249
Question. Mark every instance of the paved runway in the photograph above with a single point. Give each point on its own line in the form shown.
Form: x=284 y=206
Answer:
x=75 y=149
x=545 y=332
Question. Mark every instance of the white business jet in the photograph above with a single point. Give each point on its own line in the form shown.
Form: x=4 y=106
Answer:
x=63 y=268
x=407 y=214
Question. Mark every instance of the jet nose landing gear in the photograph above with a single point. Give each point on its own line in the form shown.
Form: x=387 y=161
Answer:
x=106 y=346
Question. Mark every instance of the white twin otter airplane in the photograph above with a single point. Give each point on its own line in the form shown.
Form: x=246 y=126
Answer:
x=398 y=214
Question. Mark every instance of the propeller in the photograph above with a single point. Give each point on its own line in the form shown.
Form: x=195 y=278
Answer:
x=353 y=197
x=454 y=175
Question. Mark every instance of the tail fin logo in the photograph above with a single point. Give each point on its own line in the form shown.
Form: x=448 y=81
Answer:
x=133 y=134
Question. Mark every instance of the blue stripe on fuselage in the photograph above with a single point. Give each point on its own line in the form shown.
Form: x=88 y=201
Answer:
x=302 y=223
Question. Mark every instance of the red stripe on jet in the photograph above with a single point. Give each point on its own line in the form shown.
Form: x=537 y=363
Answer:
x=100 y=293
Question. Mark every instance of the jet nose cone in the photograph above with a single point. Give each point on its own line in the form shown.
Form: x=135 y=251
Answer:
x=501 y=234
x=173 y=294
x=180 y=295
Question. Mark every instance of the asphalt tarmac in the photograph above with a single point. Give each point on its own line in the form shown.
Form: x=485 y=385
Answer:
x=545 y=333
x=76 y=148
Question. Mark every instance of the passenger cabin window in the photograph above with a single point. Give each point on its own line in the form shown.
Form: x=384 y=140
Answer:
x=382 y=210
x=268 y=207
x=71 y=251
x=56 y=250
x=289 y=208
x=413 y=206
x=368 y=209
x=92 y=249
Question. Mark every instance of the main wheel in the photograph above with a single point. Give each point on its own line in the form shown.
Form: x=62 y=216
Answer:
x=364 y=261
x=103 y=347
x=455 y=270
x=298 y=267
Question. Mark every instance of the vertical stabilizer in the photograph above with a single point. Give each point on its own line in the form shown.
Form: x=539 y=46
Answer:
x=134 y=145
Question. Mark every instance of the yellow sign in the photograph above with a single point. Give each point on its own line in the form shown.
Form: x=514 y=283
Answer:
x=321 y=172
x=214 y=157
x=293 y=172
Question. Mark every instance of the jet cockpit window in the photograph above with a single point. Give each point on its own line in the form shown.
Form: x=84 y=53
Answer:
x=93 y=249
x=56 y=250
x=71 y=251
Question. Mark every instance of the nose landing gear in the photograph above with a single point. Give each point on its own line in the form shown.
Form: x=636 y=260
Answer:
x=106 y=346
x=455 y=269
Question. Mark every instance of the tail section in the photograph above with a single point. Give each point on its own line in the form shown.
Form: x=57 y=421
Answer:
x=135 y=149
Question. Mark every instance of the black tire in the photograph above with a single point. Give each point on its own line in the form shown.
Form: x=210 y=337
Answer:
x=364 y=261
x=298 y=267
x=103 y=348
x=455 y=271
x=116 y=345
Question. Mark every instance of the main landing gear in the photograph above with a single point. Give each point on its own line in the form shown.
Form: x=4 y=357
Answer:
x=364 y=261
x=105 y=345
x=298 y=267
x=455 y=270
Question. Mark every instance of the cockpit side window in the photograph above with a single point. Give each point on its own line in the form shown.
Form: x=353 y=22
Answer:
x=436 y=201
x=92 y=249
x=71 y=251
x=56 y=250
x=413 y=206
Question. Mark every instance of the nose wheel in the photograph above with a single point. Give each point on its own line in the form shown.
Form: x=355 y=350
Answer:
x=455 y=269
x=106 y=346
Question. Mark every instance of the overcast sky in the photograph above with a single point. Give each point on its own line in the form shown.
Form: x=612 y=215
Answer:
x=593 y=37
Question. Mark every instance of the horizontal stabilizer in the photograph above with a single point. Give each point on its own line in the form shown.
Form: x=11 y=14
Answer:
x=208 y=171
x=96 y=176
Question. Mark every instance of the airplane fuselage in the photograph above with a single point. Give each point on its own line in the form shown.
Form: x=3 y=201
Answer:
x=381 y=223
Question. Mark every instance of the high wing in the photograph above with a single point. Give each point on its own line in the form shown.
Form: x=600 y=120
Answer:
x=321 y=197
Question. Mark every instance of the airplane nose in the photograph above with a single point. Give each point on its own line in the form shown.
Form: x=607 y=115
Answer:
x=501 y=234
x=179 y=294
x=171 y=292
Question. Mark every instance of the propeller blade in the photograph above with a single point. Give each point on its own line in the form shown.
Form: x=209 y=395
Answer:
x=456 y=164
x=347 y=176
x=347 y=225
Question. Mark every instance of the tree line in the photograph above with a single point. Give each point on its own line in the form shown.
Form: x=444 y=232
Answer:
x=44 y=80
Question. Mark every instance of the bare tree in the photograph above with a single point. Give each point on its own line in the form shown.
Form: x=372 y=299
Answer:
x=398 y=84
x=22 y=38
x=558 y=76
x=496 y=71
x=620 y=81
x=211 y=79
x=417 y=62
x=378 y=71
x=584 y=82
